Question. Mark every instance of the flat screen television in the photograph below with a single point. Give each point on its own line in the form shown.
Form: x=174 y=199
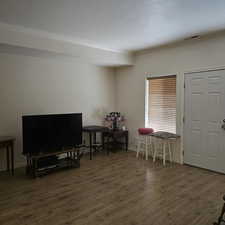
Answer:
x=50 y=133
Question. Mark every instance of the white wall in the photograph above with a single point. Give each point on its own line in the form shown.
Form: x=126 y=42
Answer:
x=32 y=85
x=207 y=52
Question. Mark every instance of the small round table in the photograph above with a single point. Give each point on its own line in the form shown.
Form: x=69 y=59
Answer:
x=92 y=130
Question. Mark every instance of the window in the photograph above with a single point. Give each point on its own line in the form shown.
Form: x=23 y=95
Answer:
x=161 y=104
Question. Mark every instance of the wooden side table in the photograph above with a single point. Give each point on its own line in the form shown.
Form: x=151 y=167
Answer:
x=115 y=136
x=92 y=131
x=8 y=144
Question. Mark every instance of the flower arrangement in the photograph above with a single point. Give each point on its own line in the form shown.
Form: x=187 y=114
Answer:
x=114 y=120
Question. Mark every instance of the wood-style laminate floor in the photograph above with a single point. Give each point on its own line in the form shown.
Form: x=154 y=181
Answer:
x=117 y=189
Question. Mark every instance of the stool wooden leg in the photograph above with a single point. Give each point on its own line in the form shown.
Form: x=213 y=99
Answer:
x=146 y=148
x=154 y=142
x=90 y=140
x=169 y=149
x=150 y=146
x=164 y=152
x=138 y=147
x=153 y=146
x=155 y=151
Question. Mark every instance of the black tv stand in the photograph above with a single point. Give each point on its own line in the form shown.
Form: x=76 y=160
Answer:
x=70 y=159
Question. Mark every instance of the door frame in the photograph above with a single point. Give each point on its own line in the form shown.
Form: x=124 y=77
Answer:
x=186 y=73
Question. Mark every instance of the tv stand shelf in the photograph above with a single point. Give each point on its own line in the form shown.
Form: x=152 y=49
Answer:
x=71 y=160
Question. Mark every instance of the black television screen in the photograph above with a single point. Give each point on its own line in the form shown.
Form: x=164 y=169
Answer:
x=49 y=133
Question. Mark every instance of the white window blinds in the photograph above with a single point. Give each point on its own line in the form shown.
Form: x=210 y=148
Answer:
x=162 y=104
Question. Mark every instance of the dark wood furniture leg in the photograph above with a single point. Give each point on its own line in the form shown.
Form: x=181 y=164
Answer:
x=7 y=158
x=12 y=158
x=34 y=167
x=28 y=166
x=126 y=140
x=90 y=136
x=103 y=141
x=95 y=138
x=7 y=143
x=107 y=145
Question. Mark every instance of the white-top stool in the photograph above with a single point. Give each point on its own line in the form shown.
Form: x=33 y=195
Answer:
x=144 y=143
x=163 y=142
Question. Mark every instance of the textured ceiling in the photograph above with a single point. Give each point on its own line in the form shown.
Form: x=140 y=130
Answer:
x=117 y=24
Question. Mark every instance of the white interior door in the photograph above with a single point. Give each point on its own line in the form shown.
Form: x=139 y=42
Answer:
x=204 y=138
